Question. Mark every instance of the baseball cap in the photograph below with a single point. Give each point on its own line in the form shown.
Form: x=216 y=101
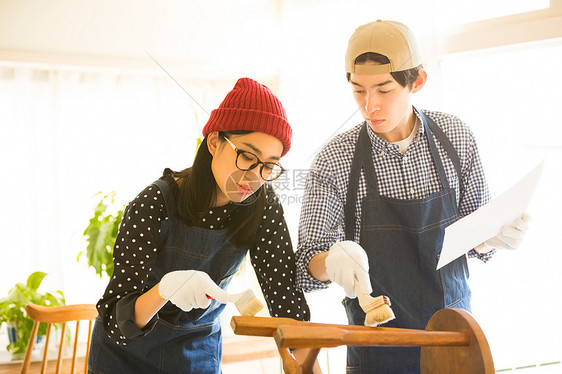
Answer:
x=389 y=38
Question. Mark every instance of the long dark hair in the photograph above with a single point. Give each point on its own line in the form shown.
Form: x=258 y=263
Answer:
x=198 y=193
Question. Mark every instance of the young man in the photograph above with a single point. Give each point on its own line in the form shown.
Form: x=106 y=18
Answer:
x=379 y=196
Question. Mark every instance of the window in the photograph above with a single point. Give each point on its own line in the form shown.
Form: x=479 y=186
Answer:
x=510 y=98
x=477 y=10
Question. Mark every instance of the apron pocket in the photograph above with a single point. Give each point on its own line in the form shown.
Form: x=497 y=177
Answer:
x=454 y=278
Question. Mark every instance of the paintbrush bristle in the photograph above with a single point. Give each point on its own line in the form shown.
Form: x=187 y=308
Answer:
x=247 y=303
x=379 y=315
x=377 y=309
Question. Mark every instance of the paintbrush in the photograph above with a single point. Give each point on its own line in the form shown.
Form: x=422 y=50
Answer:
x=246 y=302
x=377 y=309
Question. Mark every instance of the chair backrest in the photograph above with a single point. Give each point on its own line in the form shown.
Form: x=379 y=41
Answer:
x=62 y=315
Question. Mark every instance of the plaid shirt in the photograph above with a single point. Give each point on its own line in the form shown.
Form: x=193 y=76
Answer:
x=408 y=176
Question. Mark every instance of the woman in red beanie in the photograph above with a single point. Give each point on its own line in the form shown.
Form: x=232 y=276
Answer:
x=184 y=237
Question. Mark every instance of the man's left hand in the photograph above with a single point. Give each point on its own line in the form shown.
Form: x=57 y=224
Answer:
x=510 y=236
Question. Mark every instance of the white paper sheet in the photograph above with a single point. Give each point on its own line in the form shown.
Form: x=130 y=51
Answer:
x=486 y=222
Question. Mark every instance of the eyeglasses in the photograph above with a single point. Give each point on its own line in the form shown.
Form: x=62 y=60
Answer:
x=247 y=161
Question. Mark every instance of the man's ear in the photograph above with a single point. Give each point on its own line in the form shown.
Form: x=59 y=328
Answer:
x=420 y=81
x=212 y=142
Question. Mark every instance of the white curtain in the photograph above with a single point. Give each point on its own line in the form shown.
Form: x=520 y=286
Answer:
x=67 y=135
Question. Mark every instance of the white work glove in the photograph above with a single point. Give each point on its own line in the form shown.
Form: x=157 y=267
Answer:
x=346 y=264
x=510 y=236
x=188 y=289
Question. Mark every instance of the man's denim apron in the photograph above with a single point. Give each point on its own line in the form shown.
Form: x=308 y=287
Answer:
x=180 y=342
x=403 y=240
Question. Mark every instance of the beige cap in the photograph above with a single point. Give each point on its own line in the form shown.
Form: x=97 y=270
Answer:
x=389 y=38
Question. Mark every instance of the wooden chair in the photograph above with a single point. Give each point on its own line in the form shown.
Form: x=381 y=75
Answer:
x=58 y=314
x=451 y=343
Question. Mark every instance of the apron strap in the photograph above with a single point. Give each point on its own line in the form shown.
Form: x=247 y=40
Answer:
x=368 y=162
x=168 y=199
x=445 y=142
x=435 y=156
x=352 y=187
x=449 y=149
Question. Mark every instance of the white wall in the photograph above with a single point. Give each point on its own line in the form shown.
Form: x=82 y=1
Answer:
x=203 y=38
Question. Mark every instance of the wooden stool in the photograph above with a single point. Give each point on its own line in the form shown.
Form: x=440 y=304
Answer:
x=451 y=343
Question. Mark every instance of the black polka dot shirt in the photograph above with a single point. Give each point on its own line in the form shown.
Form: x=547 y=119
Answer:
x=136 y=250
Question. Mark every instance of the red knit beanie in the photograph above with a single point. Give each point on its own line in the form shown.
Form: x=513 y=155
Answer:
x=251 y=106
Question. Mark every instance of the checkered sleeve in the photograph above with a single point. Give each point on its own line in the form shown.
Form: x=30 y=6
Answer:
x=321 y=220
x=475 y=192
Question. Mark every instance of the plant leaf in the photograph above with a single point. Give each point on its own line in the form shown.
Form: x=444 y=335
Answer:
x=101 y=234
x=12 y=309
x=35 y=279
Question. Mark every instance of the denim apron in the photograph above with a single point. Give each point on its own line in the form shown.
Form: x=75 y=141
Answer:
x=180 y=342
x=403 y=240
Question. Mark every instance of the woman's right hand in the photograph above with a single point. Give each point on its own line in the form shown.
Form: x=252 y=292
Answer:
x=188 y=289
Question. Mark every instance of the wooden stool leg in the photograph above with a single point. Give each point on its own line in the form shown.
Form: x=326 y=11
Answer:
x=474 y=358
x=290 y=365
x=308 y=364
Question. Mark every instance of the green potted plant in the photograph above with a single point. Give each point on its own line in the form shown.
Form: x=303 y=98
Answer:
x=101 y=234
x=12 y=311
